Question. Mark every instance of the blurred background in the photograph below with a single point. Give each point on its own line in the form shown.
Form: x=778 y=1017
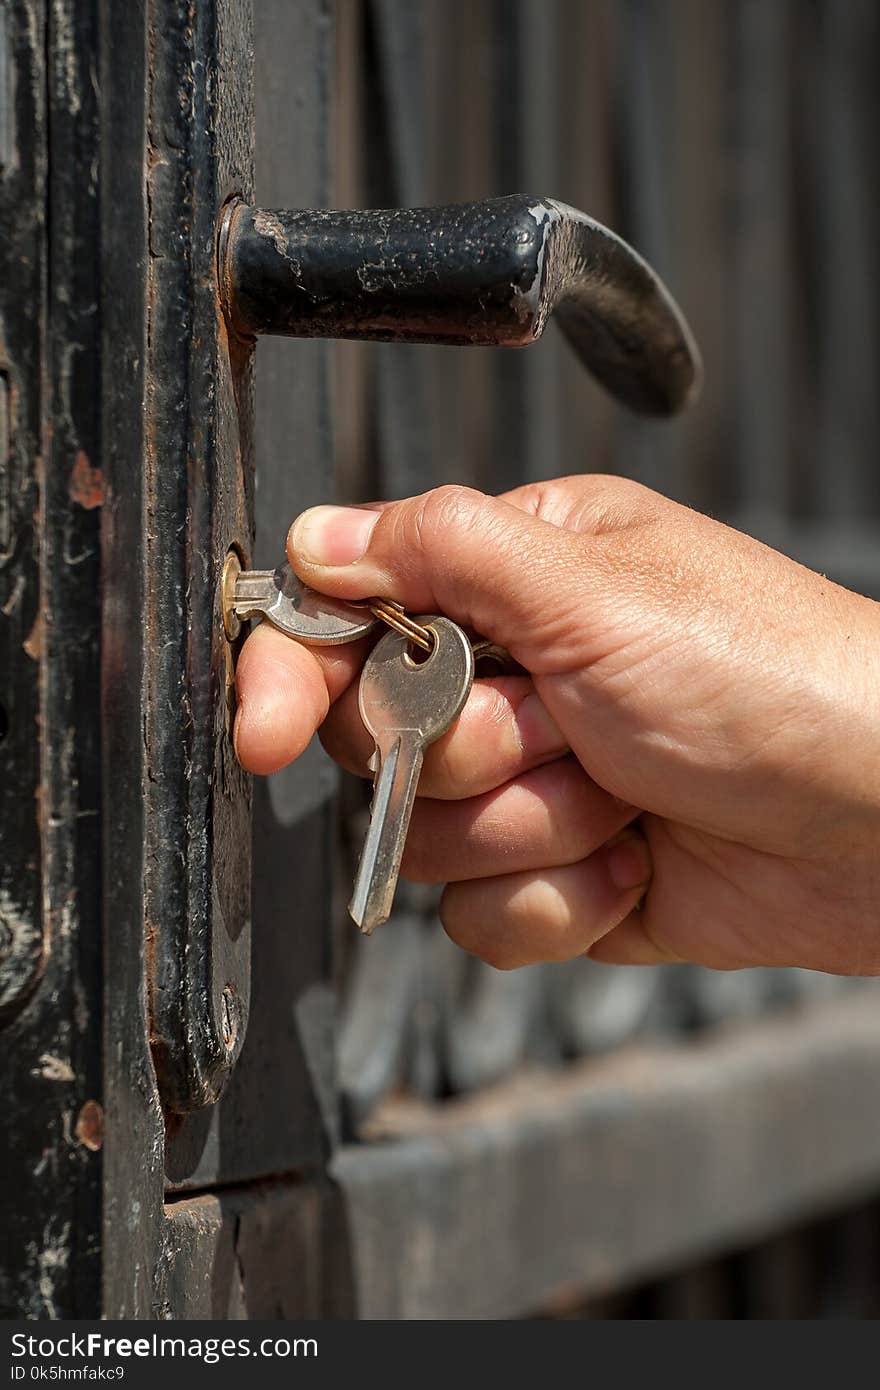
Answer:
x=734 y=143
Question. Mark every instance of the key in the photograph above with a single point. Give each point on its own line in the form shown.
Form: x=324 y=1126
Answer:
x=406 y=705
x=491 y=659
x=299 y=611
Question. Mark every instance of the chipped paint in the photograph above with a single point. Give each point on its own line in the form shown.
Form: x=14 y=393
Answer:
x=53 y=1068
x=22 y=951
x=86 y=483
x=528 y=303
x=266 y=224
x=15 y=596
x=89 y=1129
x=32 y=643
x=51 y=1263
x=486 y=273
x=64 y=53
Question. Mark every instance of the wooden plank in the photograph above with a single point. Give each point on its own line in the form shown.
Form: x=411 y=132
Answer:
x=598 y=1176
x=526 y=438
x=837 y=114
x=762 y=271
x=265 y=1252
x=584 y=94
x=698 y=110
x=562 y=1185
x=132 y=1173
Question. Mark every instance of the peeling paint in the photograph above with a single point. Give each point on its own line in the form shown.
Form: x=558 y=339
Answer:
x=22 y=951
x=51 y=1263
x=33 y=642
x=89 y=1129
x=65 y=55
x=270 y=227
x=527 y=303
x=86 y=483
x=53 y=1068
x=14 y=599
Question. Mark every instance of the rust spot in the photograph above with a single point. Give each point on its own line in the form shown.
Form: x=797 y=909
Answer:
x=90 y=1126
x=31 y=643
x=86 y=483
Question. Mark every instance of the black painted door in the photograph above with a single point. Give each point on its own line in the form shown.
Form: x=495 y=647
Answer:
x=222 y=1103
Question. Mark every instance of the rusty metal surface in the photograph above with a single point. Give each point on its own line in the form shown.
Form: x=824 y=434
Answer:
x=583 y=1180
x=23 y=933
x=121 y=407
x=132 y=1165
x=55 y=494
x=279 y=1108
x=199 y=503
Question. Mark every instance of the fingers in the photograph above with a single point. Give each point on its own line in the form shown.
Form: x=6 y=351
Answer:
x=550 y=915
x=478 y=559
x=630 y=943
x=552 y=815
x=283 y=691
x=503 y=731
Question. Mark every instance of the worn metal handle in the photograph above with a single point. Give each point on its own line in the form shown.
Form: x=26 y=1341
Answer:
x=488 y=273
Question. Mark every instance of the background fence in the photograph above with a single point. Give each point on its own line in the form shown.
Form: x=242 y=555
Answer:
x=734 y=143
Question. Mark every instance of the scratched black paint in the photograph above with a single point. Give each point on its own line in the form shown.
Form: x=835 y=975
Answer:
x=486 y=273
x=50 y=654
x=198 y=478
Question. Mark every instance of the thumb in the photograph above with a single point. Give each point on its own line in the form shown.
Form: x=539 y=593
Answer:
x=477 y=559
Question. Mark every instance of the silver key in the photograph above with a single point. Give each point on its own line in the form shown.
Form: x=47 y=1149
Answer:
x=406 y=705
x=299 y=611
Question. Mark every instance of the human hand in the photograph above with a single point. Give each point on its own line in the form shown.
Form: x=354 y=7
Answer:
x=699 y=732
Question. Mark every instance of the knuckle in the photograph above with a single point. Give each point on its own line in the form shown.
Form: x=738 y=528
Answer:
x=621 y=504
x=450 y=507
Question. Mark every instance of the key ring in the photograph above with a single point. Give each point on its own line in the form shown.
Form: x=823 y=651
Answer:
x=489 y=656
x=393 y=614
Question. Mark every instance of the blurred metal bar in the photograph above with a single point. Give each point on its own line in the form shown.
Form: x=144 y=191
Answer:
x=598 y=1175
x=585 y=1180
x=759 y=392
x=839 y=111
x=643 y=91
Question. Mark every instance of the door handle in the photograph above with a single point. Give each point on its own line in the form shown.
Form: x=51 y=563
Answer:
x=484 y=274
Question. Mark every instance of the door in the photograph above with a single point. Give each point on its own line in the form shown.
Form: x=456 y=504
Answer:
x=223 y=1103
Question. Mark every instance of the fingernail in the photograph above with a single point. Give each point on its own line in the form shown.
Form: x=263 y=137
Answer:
x=629 y=861
x=538 y=731
x=332 y=535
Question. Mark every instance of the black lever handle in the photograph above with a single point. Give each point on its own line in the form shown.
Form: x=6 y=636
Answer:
x=488 y=273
